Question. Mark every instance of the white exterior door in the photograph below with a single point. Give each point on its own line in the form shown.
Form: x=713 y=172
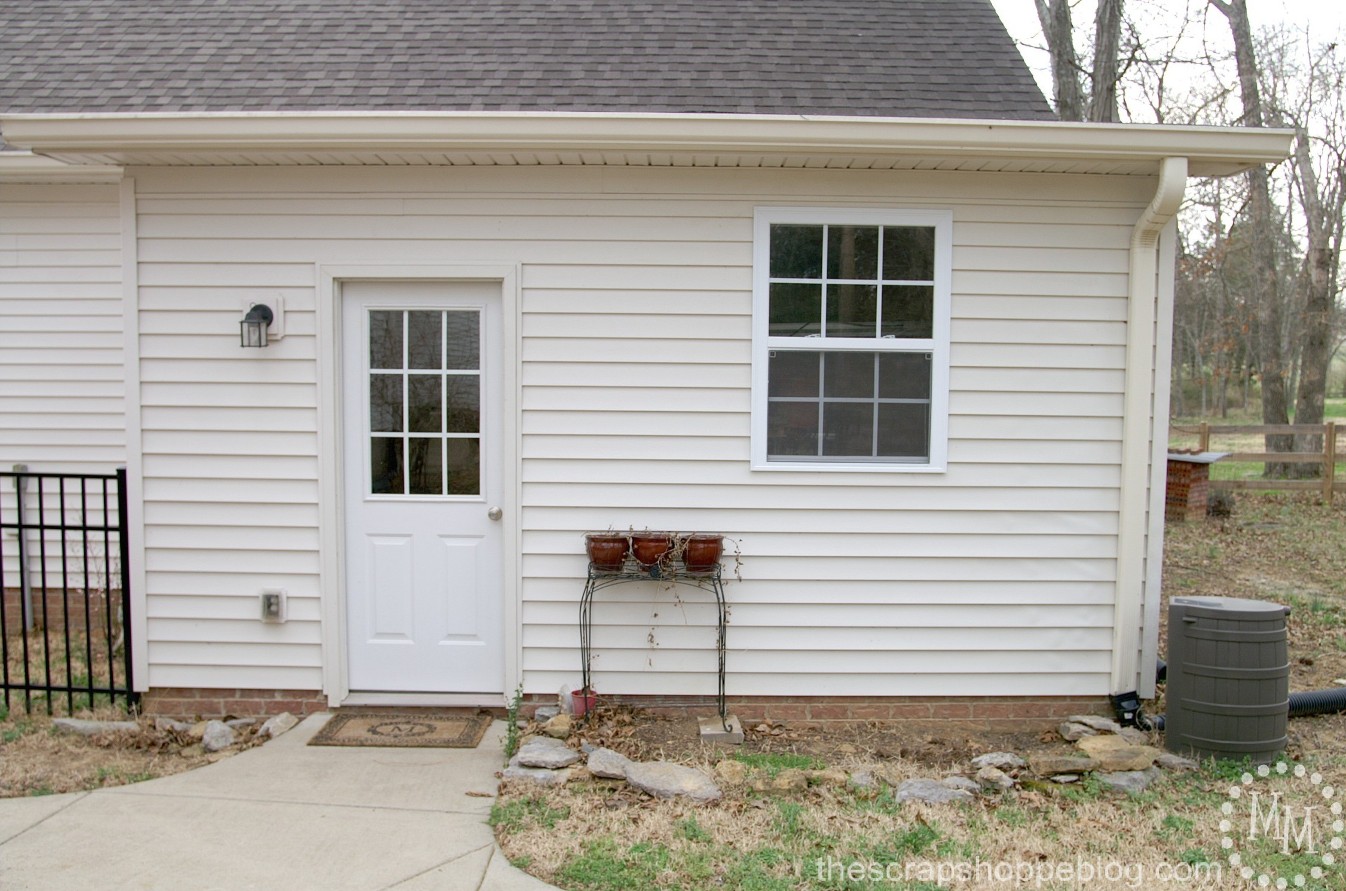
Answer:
x=422 y=435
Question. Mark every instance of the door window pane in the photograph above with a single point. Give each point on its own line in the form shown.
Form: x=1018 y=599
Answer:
x=385 y=403
x=463 y=399
x=464 y=466
x=424 y=411
x=385 y=339
x=425 y=466
x=462 y=330
x=425 y=345
x=385 y=454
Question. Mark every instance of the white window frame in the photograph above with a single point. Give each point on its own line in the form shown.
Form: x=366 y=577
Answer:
x=937 y=345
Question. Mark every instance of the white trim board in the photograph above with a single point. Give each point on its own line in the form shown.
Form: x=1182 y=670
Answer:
x=331 y=521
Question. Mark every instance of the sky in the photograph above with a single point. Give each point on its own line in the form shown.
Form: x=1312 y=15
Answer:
x=1021 y=20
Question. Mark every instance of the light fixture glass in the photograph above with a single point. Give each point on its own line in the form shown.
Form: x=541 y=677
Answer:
x=252 y=330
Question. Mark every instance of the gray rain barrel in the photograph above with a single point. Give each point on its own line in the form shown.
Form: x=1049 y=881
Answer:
x=1228 y=690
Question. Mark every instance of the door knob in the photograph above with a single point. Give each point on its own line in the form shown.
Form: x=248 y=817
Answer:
x=495 y=513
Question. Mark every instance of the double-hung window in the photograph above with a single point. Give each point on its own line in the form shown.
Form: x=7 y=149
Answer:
x=850 y=339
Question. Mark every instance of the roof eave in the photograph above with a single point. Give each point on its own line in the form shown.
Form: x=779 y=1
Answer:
x=88 y=138
x=26 y=167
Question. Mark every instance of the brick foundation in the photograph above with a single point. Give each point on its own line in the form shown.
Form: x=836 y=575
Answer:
x=63 y=609
x=192 y=703
x=997 y=712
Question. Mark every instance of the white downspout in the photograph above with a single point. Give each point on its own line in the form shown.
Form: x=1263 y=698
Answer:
x=1129 y=600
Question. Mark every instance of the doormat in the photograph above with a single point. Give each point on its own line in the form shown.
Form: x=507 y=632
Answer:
x=403 y=730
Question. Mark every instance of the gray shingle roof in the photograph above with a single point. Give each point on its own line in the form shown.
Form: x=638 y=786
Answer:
x=904 y=58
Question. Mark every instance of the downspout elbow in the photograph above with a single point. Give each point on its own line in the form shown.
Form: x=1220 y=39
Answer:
x=1163 y=206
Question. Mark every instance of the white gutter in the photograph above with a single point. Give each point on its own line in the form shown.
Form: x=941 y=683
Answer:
x=1129 y=600
x=1210 y=150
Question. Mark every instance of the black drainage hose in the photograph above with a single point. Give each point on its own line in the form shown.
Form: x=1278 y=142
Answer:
x=1317 y=702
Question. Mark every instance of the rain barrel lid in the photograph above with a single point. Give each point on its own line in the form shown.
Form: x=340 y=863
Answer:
x=1232 y=604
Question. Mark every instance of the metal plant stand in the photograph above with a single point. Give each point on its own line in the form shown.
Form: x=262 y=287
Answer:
x=676 y=573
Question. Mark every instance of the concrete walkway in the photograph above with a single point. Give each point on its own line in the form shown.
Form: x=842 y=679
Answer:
x=281 y=816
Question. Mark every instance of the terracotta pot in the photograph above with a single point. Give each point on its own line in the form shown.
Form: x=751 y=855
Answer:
x=650 y=547
x=582 y=703
x=702 y=551
x=606 y=550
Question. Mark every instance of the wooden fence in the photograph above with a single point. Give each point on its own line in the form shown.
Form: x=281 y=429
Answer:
x=1326 y=457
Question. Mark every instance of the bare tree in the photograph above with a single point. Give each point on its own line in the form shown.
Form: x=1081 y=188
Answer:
x=1261 y=224
x=1106 y=72
x=1059 y=31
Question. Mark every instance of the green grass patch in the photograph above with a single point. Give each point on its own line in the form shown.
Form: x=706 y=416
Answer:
x=523 y=813
x=604 y=866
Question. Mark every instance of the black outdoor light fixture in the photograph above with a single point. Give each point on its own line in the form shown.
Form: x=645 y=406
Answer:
x=252 y=331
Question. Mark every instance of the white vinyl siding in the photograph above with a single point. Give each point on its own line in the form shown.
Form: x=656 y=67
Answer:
x=993 y=578
x=61 y=374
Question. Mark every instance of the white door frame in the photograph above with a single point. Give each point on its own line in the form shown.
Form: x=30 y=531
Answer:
x=331 y=484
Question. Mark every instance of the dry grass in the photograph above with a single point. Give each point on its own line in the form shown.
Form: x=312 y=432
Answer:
x=37 y=759
x=598 y=834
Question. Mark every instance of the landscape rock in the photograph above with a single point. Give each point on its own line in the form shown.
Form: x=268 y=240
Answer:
x=558 y=727
x=587 y=747
x=608 y=764
x=217 y=735
x=962 y=783
x=864 y=779
x=82 y=727
x=994 y=779
x=1135 y=736
x=1170 y=761
x=547 y=753
x=539 y=775
x=786 y=781
x=931 y=792
x=1046 y=764
x=1064 y=778
x=999 y=760
x=240 y=723
x=663 y=779
x=731 y=773
x=1070 y=731
x=166 y=724
x=278 y=724
x=1116 y=754
x=545 y=713
x=1131 y=782
x=1096 y=722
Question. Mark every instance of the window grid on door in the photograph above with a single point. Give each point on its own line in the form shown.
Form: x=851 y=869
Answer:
x=425 y=402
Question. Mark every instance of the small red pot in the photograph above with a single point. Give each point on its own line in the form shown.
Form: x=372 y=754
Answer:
x=650 y=547
x=582 y=703
x=606 y=550
x=702 y=551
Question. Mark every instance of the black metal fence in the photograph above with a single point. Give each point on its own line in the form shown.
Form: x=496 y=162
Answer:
x=65 y=638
